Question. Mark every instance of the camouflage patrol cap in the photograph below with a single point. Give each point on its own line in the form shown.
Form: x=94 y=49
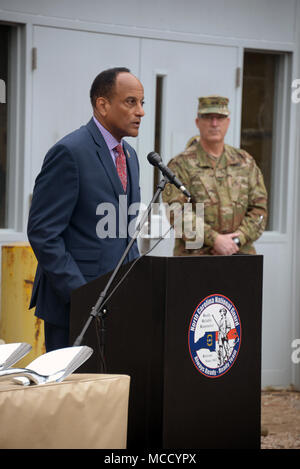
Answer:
x=213 y=104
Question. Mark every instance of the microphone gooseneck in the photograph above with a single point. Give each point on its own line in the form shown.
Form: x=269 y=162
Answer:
x=155 y=159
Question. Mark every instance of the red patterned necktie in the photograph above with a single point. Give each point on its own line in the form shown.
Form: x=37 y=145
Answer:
x=121 y=165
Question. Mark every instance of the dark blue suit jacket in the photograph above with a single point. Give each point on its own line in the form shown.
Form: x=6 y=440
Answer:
x=77 y=175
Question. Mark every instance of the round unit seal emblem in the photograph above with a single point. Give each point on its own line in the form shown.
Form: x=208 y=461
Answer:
x=214 y=336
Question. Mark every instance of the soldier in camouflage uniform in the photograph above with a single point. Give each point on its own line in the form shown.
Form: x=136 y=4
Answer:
x=225 y=179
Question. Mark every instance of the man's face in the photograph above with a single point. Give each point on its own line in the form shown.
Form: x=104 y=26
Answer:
x=122 y=113
x=212 y=127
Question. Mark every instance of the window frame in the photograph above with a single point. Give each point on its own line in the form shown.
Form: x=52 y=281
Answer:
x=15 y=99
x=280 y=143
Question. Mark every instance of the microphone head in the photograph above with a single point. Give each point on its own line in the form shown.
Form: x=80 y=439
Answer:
x=154 y=158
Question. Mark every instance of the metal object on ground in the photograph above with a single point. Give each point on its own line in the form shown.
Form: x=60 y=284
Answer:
x=12 y=353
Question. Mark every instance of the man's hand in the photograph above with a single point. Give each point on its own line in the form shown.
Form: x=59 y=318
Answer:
x=224 y=245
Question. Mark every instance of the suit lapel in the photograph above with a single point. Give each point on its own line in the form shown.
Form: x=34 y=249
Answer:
x=105 y=158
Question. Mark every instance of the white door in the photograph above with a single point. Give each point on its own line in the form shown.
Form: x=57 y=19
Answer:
x=67 y=63
x=188 y=71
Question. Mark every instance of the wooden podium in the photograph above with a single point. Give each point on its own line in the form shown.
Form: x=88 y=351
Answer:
x=165 y=328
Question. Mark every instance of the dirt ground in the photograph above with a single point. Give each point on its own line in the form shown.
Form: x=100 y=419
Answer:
x=280 y=419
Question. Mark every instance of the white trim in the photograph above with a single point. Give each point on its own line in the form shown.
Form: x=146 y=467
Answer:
x=11 y=236
x=269 y=237
x=295 y=245
x=116 y=29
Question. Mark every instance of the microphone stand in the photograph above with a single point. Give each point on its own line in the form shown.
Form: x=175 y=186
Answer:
x=97 y=310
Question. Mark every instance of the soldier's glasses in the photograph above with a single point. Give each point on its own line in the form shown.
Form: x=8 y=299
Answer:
x=219 y=117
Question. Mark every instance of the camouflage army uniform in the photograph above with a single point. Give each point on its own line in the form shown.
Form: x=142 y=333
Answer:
x=232 y=190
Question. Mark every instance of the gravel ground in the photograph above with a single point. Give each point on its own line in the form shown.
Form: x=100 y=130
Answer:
x=280 y=419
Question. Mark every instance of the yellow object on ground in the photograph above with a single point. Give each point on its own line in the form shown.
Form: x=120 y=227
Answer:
x=17 y=322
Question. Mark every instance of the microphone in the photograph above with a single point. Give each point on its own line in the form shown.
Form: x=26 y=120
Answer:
x=155 y=159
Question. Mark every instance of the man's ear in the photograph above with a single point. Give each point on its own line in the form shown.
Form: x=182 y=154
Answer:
x=228 y=122
x=102 y=105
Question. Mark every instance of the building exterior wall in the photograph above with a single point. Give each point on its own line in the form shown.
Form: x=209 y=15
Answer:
x=262 y=25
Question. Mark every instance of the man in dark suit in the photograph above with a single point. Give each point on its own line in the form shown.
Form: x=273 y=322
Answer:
x=82 y=175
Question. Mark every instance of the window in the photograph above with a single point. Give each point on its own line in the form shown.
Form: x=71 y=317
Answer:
x=4 y=41
x=264 y=122
x=158 y=126
x=12 y=100
x=158 y=135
